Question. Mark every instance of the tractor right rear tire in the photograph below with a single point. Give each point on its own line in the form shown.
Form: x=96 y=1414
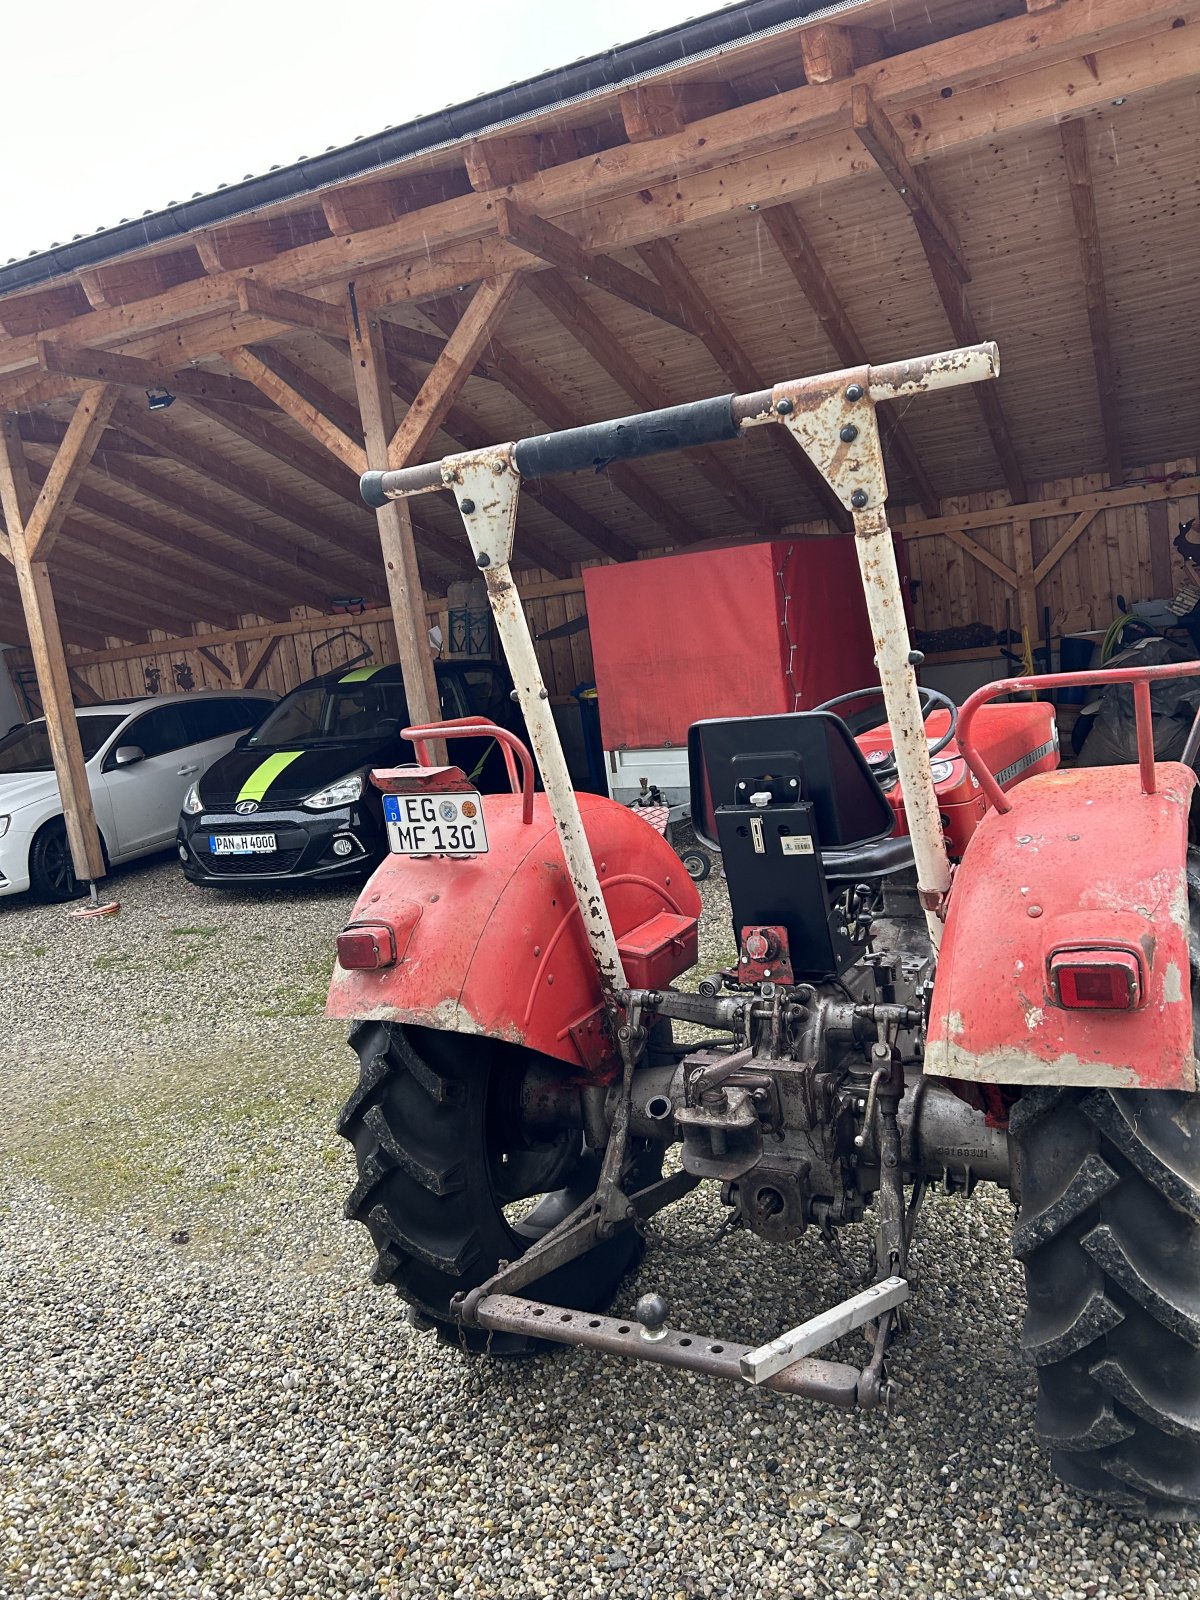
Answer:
x=445 y=1175
x=1109 y=1234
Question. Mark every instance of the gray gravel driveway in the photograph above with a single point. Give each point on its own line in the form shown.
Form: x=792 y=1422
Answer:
x=201 y=1395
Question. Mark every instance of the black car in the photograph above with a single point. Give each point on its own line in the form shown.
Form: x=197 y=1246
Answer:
x=293 y=798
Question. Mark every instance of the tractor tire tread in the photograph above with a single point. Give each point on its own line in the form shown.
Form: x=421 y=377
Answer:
x=1109 y=1235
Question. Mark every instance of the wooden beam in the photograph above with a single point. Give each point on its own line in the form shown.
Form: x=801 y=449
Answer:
x=881 y=141
x=830 y=51
x=70 y=463
x=451 y=370
x=497 y=162
x=1087 y=232
x=1015 y=74
x=1034 y=510
x=107 y=366
x=291 y=309
x=1062 y=544
x=1026 y=581
x=734 y=361
x=985 y=557
x=805 y=265
x=38 y=428
x=578 y=319
x=257 y=661
x=368 y=359
x=49 y=657
x=658 y=107
x=83 y=691
x=310 y=417
x=559 y=249
x=341 y=412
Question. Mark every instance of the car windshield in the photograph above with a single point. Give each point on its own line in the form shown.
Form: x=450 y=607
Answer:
x=320 y=713
x=27 y=749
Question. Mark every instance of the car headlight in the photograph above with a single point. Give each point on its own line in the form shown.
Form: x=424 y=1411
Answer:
x=3 y=826
x=192 y=803
x=342 y=793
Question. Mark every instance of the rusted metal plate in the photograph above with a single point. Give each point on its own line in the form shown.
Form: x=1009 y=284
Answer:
x=832 y=1381
x=1082 y=856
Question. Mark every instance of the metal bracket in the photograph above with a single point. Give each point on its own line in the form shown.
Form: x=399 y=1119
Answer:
x=487 y=488
x=833 y=420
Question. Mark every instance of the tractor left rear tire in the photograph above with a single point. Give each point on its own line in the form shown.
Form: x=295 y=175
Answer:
x=440 y=1156
x=1109 y=1235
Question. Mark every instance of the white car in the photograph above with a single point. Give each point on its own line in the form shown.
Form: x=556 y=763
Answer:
x=142 y=757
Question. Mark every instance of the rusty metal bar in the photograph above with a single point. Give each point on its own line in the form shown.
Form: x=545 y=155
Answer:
x=834 y=1382
x=1050 y=680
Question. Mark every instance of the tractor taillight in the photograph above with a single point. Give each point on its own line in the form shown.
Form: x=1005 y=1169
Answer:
x=1096 y=980
x=366 y=945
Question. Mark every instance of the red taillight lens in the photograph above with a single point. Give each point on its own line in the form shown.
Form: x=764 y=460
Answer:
x=365 y=946
x=1096 y=980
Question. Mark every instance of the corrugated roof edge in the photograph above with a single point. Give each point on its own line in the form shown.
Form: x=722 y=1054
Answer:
x=593 y=75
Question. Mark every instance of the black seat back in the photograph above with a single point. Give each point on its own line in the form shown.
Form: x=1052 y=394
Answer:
x=848 y=806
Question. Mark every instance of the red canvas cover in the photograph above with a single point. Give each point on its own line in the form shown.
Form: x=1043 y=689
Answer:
x=719 y=633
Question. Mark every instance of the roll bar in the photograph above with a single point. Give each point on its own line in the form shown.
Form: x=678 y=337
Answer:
x=1140 y=677
x=651 y=433
x=480 y=728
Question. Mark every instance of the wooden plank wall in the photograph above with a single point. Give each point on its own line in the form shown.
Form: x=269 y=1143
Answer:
x=1125 y=550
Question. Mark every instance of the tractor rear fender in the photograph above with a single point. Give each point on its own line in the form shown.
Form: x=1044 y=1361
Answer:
x=494 y=944
x=1083 y=861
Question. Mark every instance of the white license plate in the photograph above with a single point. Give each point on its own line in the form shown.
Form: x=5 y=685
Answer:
x=241 y=844
x=435 y=824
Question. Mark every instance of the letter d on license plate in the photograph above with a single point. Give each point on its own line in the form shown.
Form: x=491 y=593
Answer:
x=435 y=824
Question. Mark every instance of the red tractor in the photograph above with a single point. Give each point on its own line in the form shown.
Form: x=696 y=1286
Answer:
x=956 y=962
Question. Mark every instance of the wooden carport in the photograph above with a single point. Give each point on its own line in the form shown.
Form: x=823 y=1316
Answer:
x=190 y=398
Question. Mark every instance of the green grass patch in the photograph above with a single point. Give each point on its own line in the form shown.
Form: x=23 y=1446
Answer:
x=193 y=933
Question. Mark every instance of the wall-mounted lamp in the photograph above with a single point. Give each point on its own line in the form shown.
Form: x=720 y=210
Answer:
x=159 y=399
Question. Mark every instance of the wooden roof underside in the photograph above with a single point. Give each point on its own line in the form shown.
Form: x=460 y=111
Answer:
x=1046 y=156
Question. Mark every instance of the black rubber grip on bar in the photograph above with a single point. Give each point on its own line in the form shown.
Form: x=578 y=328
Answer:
x=649 y=434
x=370 y=486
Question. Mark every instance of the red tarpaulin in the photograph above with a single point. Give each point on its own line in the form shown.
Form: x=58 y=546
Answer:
x=719 y=633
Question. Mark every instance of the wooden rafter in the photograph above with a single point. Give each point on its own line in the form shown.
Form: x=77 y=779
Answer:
x=806 y=267
x=830 y=50
x=107 y=366
x=368 y=360
x=946 y=266
x=653 y=109
x=83 y=434
x=731 y=357
x=291 y=309
x=553 y=245
x=310 y=417
x=583 y=324
x=881 y=141
x=1035 y=59
x=1087 y=231
x=466 y=343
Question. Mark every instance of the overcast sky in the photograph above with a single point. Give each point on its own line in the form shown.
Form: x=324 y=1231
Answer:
x=112 y=110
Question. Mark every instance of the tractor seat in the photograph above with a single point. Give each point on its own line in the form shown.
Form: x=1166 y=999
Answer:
x=854 y=824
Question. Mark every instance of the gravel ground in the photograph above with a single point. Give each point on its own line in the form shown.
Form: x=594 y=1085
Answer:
x=201 y=1395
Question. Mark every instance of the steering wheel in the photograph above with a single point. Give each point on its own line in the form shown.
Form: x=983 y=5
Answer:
x=931 y=700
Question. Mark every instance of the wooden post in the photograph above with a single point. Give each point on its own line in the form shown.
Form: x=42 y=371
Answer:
x=49 y=660
x=378 y=414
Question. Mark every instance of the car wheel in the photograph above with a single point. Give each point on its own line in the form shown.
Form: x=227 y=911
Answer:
x=51 y=871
